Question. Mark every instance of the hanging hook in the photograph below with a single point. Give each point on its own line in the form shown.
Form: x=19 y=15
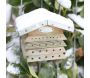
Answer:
x=75 y=11
x=41 y=3
x=59 y=9
x=21 y=2
x=21 y=11
x=74 y=46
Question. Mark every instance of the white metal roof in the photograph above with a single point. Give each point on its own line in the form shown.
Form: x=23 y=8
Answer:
x=41 y=17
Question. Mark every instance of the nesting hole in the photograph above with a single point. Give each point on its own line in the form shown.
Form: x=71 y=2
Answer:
x=45 y=56
x=52 y=56
x=32 y=51
x=46 y=50
x=63 y=52
x=39 y=45
x=39 y=57
x=59 y=56
x=32 y=58
x=39 y=50
x=27 y=56
x=60 y=49
x=53 y=50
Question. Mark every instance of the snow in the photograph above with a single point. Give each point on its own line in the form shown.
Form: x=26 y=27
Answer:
x=8 y=13
x=80 y=71
x=11 y=56
x=81 y=0
x=16 y=41
x=62 y=76
x=68 y=64
x=77 y=19
x=69 y=52
x=34 y=20
x=65 y=3
x=81 y=31
x=12 y=69
x=79 y=9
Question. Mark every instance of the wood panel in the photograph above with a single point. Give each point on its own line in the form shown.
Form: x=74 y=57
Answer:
x=45 y=57
x=38 y=33
x=45 y=38
x=44 y=51
x=44 y=44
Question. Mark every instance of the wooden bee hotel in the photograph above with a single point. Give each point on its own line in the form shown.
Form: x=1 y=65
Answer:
x=42 y=36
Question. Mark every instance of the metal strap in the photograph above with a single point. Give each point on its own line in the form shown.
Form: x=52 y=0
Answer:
x=41 y=3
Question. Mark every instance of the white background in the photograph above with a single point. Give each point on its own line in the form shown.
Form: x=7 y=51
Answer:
x=3 y=39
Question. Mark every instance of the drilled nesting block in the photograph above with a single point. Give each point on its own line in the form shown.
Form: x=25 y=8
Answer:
x=45 y=54
x=46 y=38
x=39 y=46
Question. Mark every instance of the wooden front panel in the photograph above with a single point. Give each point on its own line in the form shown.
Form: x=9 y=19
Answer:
x=38 y=46
x=45 y=57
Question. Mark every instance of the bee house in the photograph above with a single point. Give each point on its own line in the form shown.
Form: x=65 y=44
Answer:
x=42 y=36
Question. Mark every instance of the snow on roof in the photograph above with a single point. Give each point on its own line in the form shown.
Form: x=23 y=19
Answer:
x=77 y=19
x=65 y=3
x=41 y=17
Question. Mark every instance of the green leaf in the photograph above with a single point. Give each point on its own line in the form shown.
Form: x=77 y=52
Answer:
x=48 y=2
x=29 y=7
x=75 y=70
x=37 y=3
x=32 y=72
x=48 y=71
x=17 y=2
x=56 y=5
x=81 y=41
x=14 y=2
x=82 y=12
x=23 y=65
x=8 y=39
